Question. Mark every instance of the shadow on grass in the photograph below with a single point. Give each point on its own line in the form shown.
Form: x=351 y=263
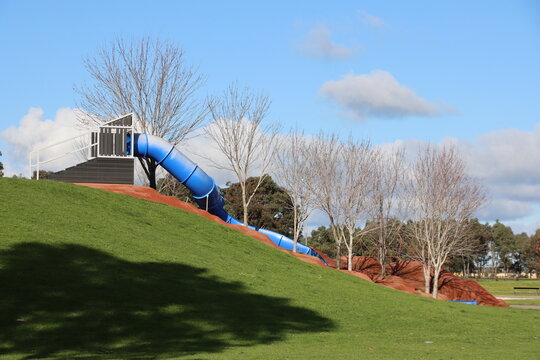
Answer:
x=71 y=298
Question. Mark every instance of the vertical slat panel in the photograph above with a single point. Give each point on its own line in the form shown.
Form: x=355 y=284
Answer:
x=101 y=139
x=118 y=144
x=108 y=142
x=93 y=149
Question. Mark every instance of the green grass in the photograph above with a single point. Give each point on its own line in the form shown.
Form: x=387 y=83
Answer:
x=506 y=287
x=93 y=275
x=523 y=302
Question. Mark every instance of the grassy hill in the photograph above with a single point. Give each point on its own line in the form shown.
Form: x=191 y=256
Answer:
x=89 y=274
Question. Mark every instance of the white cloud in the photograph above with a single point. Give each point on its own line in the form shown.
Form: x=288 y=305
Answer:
x=371 y=20
x=505 y=162
x=507 y=156
x=34 y=131
x=319 y=45
x=379 y=94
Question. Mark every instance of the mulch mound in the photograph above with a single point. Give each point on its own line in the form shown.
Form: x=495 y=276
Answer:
x=451 y=287
x=405 y=276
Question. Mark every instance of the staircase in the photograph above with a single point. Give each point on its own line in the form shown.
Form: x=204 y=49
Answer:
x=98 y=170
x=109 y=162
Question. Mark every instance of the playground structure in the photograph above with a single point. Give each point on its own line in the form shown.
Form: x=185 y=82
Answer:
x=115 y=143
x=109 y=152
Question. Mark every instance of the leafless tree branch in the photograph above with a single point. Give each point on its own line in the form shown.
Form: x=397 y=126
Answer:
x=149 y=78
x=240 y=132
x=445 y=198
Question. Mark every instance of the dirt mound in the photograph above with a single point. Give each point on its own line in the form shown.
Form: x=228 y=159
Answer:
x=410 y=270
x=331 y=262
x=399 y=283
x=455 y=288
x=451 y=287
x=365 y=264
x=403 y=275
x=359 y=274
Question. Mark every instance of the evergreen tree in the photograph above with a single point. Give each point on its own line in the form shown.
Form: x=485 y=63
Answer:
x=271 y=207
x=504 y=244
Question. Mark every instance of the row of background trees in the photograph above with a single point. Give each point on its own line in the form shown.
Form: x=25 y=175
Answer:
x=496 y=250
x=373 y=197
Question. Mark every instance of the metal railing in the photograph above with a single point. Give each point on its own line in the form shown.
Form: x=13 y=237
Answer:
x=108 y=140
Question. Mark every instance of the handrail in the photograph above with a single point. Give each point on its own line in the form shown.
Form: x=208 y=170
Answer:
x=68 y=153
x=106 y=125
x=115 y=126
x=63 y=141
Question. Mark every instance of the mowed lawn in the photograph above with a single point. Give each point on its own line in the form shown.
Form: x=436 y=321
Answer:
x=506 y=287
x=90 y=274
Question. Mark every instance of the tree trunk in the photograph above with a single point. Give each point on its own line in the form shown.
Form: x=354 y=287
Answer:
x=245 y=205
x=245 y=215
x=152 y=173
x=338 y=255
x=295 y=229
x=350 y=254
x=436 y=273
x=382 y=244
x=382 y=255
x=427 y=278
x=149 y=166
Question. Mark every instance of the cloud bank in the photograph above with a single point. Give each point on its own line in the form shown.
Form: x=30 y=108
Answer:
x=379 y=95
x=35 y=131
x=505 y=162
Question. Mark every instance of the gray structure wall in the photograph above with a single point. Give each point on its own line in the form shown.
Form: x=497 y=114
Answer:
x=100 y=170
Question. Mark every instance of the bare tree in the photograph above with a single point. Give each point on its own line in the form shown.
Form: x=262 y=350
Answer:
x=324 y=154
x=341 y=187
x=239 y=131
x=358 y=160
x=149 y=78
x=388 y=204
x=293 y=172
x=445 y=197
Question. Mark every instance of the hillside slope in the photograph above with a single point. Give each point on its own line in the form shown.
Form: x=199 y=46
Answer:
x=91 y=274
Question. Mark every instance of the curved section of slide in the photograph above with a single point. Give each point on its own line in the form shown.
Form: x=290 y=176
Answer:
x=203 y=188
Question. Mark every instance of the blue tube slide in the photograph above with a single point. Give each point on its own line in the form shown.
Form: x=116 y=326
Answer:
x=203 y=188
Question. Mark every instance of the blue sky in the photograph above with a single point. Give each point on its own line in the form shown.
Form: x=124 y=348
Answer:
x=463 y=70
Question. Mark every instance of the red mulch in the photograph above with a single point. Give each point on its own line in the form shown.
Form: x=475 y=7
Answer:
x=405 y=275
